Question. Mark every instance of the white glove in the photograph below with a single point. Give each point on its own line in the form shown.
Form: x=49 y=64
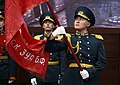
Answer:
x=84 y=73
x=58 y=31
x=33 y=81
x=10 y=81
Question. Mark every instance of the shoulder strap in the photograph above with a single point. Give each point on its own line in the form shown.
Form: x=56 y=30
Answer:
x=38 y=36
x=98 y=36
x=69 y=37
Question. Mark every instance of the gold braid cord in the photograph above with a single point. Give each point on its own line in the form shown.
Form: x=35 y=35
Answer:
x=77 y=45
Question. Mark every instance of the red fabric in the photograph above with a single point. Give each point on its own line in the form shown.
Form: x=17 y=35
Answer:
x=2 y=42
x=25 y=50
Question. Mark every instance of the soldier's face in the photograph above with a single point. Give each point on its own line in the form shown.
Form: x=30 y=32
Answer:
x=48 y=26
x=81 y=24
x=1 y=23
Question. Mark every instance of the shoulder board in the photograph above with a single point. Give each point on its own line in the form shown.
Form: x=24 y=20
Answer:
x=68 y=37
x=98 y=36
x=61 y=36
x=38 y=37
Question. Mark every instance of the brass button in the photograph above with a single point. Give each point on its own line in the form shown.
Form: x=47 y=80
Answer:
x=87 y=37
x=89 y=60
x=79 y=36
x=80 y=48
x=50 y=53
x=80 y=60
x=88 y=42
x=80 y=42
x=88 y=54
x=88 y=48
x=80 y=54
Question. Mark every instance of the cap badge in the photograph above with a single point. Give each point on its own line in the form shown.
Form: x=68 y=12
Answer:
x=47 y=17
x=81 y=13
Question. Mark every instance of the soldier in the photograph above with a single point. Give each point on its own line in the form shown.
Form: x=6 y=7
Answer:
x=88 y=48
x=7 y=65
x=57 y=62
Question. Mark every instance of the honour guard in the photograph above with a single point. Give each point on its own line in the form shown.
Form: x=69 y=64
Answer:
x=7 y=65
x=88 y=48
x=57 y=62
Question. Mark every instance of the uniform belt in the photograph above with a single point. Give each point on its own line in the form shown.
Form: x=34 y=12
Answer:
x=53 y=62
x=83 y=65
x=3 y=57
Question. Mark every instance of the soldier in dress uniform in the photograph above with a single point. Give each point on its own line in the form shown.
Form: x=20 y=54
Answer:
x=7 y=65
x=57 y=62
x=88 y=48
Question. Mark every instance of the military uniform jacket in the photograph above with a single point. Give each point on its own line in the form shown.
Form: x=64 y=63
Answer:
x=56 y=64
x=89 y=49
x=7 y=65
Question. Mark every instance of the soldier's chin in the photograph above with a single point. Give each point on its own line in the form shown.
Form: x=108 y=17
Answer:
x=77 y=28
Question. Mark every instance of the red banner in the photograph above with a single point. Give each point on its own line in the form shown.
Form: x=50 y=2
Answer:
x=14 y=9
x=24 y=49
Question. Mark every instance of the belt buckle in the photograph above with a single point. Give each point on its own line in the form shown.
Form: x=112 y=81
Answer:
x=84 y=65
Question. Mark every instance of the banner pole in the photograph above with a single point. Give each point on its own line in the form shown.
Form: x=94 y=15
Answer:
x=66 y=40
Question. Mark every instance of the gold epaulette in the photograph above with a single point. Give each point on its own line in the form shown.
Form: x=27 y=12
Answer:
x=38 y=36
x=59 y=37
x=68 y=37
x=98 y=36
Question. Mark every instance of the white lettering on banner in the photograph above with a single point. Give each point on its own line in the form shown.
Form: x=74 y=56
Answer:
x=29 y=56
x=15 y=46
x=26 y=54
x=40 y=60
x=37 y=59
x=23 y=52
